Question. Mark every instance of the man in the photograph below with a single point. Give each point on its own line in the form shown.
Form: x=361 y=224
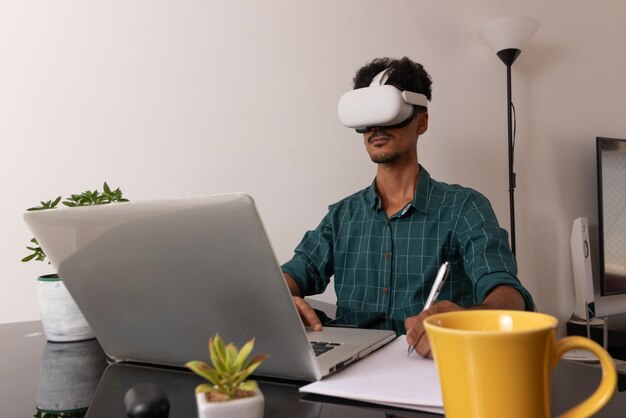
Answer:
x=384 y=244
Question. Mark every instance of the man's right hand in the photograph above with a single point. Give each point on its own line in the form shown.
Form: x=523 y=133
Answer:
x=307 y=314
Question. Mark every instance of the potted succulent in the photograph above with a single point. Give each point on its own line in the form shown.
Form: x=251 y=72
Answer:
x=61 y=319
x=228 y=394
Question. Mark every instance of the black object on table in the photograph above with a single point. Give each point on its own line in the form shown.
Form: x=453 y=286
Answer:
x=147 y=400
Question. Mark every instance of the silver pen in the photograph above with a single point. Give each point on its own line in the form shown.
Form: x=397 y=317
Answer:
x=442 y=275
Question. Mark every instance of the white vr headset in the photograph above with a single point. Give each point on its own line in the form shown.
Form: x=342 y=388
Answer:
x=378 y=105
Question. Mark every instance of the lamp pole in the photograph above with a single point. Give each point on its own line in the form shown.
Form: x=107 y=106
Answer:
x=506 y=36
x=508 y=57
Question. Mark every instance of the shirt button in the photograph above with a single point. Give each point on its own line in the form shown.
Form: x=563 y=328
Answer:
x=385 y=289
x=386 y=255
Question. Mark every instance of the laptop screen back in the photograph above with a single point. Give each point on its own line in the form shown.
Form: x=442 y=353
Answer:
x=156 y=279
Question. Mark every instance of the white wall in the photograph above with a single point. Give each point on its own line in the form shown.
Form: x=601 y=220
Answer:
x=167 y=99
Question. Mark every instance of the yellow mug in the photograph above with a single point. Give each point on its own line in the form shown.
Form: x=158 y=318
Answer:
x=495 y=364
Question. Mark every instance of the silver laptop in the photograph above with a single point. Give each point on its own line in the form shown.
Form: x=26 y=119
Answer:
x=156 y=279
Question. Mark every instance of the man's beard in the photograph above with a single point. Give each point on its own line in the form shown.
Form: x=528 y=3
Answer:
x=385 y=157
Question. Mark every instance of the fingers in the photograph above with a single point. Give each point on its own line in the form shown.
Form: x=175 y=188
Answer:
x=308 y=315
x=415 y=331
x=416 y=334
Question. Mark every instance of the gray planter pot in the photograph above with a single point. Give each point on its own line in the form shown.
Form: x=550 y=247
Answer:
x=61 y=319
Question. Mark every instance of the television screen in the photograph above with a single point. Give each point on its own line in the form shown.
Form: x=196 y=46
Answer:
x=611 y=156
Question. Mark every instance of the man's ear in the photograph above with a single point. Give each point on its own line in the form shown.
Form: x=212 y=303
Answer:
x=422 y=126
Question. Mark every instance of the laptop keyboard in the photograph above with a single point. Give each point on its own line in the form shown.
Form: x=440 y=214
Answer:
x=320 y=347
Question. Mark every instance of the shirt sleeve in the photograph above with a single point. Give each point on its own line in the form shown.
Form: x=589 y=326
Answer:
x=487 y=257
x=312 y=264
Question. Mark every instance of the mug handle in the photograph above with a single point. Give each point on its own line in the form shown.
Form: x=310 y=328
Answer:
x=605 y=390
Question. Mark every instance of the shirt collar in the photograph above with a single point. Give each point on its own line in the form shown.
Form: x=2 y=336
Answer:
x=372 y=197
x=420 y=198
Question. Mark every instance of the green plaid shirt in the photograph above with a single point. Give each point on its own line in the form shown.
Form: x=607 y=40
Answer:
x=389 y=264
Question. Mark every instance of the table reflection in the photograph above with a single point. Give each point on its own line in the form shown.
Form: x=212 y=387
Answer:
x=68 y=378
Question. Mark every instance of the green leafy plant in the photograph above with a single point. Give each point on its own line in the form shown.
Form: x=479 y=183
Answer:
x=230 y=370
x=89 y=197
x=37 y=252
x=86 y=198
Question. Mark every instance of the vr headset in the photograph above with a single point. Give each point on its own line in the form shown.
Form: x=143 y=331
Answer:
x=379 y=105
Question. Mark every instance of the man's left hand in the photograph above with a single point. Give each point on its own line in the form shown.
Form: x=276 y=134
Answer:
x=500 y=297
x=415 y=332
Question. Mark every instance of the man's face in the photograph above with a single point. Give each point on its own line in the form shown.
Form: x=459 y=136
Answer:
x=388 y=145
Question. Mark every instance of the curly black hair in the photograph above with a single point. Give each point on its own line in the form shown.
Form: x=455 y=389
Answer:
x=406 y=75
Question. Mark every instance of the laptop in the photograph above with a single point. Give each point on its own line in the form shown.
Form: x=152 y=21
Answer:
x=156 y=279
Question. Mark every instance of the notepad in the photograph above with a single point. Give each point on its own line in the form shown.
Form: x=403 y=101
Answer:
x=387 y=377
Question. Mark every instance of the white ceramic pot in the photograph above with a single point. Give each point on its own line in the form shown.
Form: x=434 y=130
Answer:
x=252 y=407
x=61 y=319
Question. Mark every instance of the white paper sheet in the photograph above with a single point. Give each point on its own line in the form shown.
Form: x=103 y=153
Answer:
x=387 y=377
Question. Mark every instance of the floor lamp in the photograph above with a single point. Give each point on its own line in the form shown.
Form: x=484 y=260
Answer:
x=506 y=36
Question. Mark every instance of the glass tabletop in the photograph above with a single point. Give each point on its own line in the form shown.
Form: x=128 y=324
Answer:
x=41 y=379
x=38 y=377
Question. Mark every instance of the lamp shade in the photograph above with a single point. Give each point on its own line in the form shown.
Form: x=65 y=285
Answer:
x=509 y=32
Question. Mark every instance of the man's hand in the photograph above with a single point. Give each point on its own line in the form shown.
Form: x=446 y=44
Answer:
x=500 y=297
x=308 y=315
x=415 y=332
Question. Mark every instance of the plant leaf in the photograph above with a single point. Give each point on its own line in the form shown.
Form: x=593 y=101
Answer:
x=255 y=362
x=29 y=257
x=202 y=369
x=244 y=353
x=203 y=388
x=231 y=356
x=250 y=385
x=218 y=353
